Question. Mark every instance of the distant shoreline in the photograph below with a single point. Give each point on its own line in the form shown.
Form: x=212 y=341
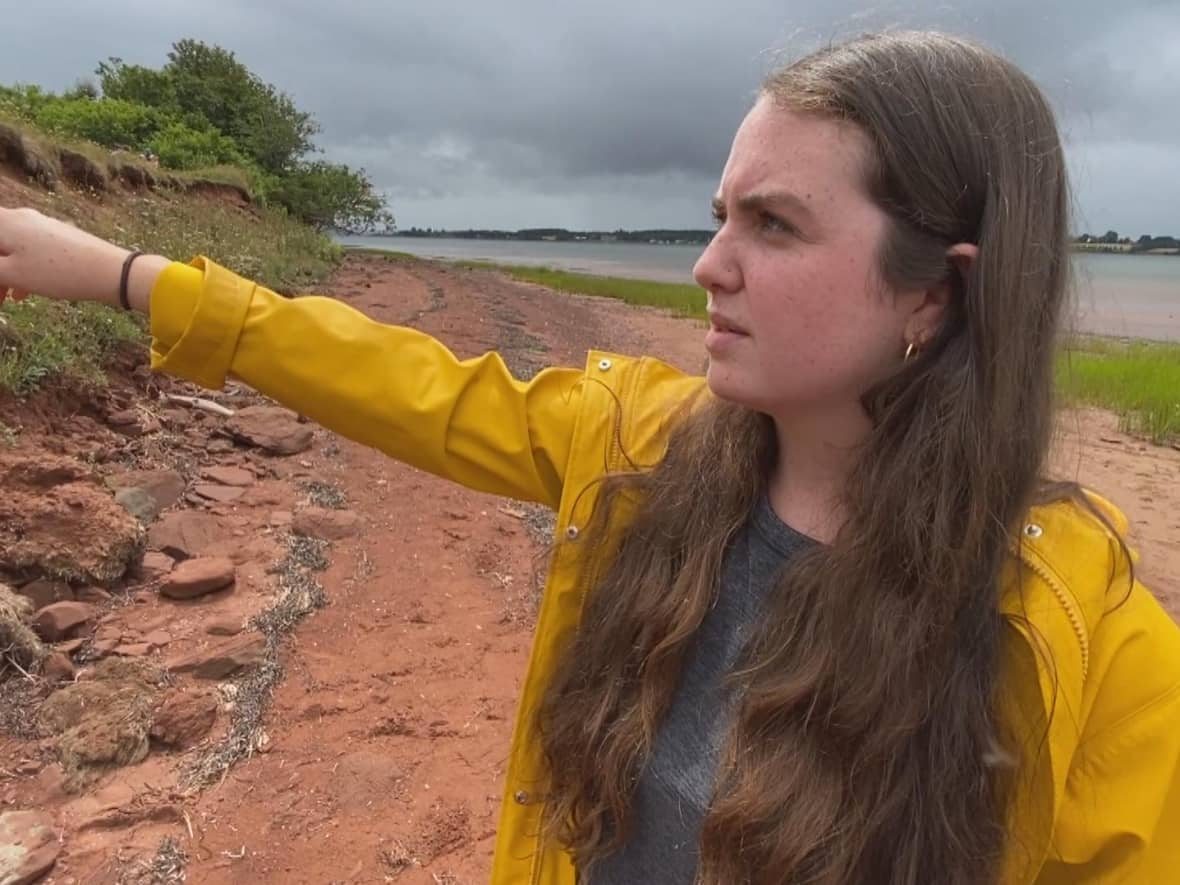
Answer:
x=647 y=236
x=692 y=237
x=1121 y=249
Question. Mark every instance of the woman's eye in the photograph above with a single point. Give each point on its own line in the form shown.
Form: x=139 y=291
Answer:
x=774 y=223
x=765 y=221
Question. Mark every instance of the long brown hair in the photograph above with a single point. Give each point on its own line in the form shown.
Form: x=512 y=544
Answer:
x=865 y=744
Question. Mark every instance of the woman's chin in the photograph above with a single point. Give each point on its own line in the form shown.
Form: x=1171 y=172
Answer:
x=724 y=383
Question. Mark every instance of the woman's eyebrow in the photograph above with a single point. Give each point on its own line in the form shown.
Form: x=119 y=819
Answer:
x=767 y=200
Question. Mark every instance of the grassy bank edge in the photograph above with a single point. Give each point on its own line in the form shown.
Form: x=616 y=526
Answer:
x=52 y=159
x=1137 y=380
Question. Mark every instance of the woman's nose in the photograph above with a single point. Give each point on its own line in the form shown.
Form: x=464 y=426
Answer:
x=717 y=270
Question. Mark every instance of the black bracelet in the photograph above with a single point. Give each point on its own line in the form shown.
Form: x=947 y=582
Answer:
x=123 y=301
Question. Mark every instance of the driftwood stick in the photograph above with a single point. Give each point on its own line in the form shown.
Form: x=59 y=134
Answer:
x=204 y=405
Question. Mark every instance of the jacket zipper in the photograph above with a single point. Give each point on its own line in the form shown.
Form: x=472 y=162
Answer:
x=1067 y=602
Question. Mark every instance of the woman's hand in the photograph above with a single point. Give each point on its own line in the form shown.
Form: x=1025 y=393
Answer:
x=57 y=260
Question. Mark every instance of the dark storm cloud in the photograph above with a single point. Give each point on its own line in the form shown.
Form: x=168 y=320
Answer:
x=618 y=113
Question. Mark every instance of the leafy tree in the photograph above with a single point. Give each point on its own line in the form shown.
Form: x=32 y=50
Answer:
x=84 y=89
x=1147 y=242
x=1111 y=236
x=330 y=195
x=264 y=122
x=110 y=122
x=24 y=100
x=203 y=86
x=179 y=146
x=137 y=84
x=205 y=108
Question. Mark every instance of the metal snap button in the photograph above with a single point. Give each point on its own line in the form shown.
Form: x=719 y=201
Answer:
x=604 y=365
x=1033 y=530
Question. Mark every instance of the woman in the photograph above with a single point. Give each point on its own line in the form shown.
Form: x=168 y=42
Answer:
x=816 y=617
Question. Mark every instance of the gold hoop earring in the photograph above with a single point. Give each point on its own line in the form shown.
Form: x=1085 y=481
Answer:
x=910 y=351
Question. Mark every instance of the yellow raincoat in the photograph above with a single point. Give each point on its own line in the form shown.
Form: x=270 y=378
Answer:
x=1102 y=799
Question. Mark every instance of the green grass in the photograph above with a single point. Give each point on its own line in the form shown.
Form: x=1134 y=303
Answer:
x=387 y=254
x=234 y=176
x=41 y=339
x=677 y=297
x=1137 y=380
x=266 y=245
x=45 y=149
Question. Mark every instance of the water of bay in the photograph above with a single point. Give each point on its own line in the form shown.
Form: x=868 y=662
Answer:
x=1135 y=296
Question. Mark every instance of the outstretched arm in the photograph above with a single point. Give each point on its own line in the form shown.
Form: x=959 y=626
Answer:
x=391 y=387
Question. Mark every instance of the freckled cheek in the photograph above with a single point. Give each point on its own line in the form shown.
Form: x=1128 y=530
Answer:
x=798 y=304
x=809 y=321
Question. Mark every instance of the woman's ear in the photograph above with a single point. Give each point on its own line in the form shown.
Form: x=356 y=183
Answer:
x=927 y=317
x=963 y=256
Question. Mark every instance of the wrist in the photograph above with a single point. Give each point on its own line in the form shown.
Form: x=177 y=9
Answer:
x=145 y=270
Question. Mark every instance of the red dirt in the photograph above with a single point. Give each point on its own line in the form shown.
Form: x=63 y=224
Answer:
x=387 y=737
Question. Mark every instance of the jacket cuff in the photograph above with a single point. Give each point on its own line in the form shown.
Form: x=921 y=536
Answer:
x=197 y=313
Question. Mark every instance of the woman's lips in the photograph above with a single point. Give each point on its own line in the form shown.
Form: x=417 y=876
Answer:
x=722 y=335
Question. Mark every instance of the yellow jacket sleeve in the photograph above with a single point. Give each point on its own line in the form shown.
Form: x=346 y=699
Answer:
x=1120 y=819
x=390 y=387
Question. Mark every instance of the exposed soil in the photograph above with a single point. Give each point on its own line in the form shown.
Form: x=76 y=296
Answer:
x=396 y=668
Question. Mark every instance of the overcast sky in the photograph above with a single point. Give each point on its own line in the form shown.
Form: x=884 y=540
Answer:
x=618 y=113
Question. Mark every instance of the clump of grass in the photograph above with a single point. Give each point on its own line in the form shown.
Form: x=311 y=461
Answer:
x=85 y=164
x=266 y=245
x=229 y=176
x=40 y=339
x=303 y=553
x=680 y=298
x=396 y=859
x=132 y=170
x=19 y=700
x=390 y=255
x=20 y=649
x=166 y=868
x=1138 y=380
x=23 y=150
x=324 y=494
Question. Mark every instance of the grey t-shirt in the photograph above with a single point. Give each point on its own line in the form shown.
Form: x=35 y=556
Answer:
x=676 y=785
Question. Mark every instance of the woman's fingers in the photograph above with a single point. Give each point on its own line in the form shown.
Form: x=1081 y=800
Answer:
x=55 y=259
x=11 y=221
